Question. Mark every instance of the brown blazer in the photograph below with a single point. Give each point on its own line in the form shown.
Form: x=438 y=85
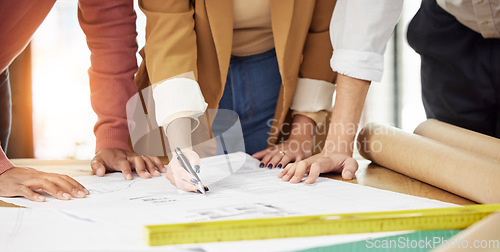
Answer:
x=184 y=36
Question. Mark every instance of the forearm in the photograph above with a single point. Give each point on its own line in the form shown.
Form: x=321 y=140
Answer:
x=303 y=128
x=346 y=113
x=179 y=134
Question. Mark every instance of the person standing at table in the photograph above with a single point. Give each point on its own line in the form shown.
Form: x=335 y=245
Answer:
x=263 y=59
x=459 y=44
x=111 y=81
x=360 y=30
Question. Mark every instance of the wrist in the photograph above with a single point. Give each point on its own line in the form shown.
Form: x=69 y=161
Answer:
x=178 y=134
x=339 y=146
x=303 y=128
x=301 y=137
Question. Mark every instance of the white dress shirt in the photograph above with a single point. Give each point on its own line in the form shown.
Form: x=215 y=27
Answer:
x=482 y=16
x=359 y=32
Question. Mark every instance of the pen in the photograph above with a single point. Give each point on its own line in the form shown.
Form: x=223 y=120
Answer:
x=185 y=163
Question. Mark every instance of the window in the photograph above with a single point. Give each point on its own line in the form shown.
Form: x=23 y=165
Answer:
x=63 y=119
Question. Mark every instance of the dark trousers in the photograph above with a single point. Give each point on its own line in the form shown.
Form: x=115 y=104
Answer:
x=460 y=70
x=5 y=109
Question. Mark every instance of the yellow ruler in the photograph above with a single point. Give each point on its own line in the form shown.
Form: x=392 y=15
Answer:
x=316 y=225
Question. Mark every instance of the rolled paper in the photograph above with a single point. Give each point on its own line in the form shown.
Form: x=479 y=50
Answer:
x=483 y=234
x=460 y=138
x=470 y=175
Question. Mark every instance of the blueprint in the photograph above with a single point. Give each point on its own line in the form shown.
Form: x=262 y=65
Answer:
x=239 y=189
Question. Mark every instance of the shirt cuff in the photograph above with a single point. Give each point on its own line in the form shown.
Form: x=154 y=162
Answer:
x=313 y=95
x=178 y=97
x=112 y=136
x=5 y=163
x=318 y=117
x=357 y=64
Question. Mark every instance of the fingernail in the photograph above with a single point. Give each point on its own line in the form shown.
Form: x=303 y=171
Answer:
x=156 y=173
x=66 y=196
x=198 y=190
x=81 y=194
x=197 y=168
x=280 y=165
x=100 y=172
x=348 y=174
x=41 y=198
x=194 y=181
x=129 y=177
x=86 y=191
x=270 y=166
x=206 y=189
x=261 y=165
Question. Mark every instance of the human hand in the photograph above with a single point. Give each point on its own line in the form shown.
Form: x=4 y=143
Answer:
x=114 y=159
x=317 y=164
x=181 y=178
x=292 y=150
x=24 y=181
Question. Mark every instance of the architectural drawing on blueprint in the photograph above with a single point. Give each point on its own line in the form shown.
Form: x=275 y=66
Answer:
x=238 y=211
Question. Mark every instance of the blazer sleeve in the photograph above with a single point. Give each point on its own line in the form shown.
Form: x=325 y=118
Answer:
x=111 y=37
x=171 y=48
x=318 y=48
x=171 y=51
x=315 y=74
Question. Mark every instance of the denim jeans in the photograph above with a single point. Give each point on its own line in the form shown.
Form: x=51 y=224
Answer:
x=252 y=90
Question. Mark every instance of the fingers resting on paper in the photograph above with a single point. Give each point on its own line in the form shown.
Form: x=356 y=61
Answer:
x=26 y=182
x=278 y=156
x=114 y=159
x=317 y=164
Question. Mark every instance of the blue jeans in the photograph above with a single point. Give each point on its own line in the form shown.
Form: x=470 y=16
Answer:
x=252 y=90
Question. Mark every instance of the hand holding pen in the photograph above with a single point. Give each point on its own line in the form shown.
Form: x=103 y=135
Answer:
x=187 y=166
x=178 y=171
